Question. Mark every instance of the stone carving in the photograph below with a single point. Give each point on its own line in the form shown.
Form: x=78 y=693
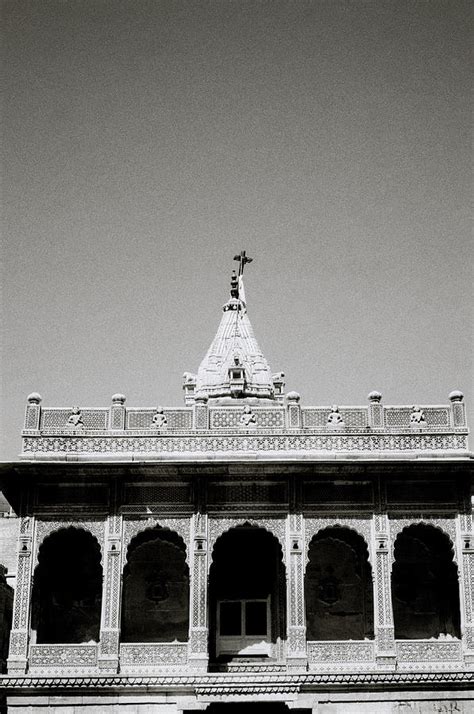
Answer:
x=429 y=651
x=63 y=655
x=362 y=526
x=335 y=420
x=216 y=443
x=248 y=418
x=159 y=420
x=181 y=526
x=154 y=654
x=46 y=527
x=447 y=525
x=338 y=652
x=75 y=419
x=417 y=417
x=275 y=526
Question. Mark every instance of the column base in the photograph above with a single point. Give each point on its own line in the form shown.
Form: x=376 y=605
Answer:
x=198 y=663
x=17 y=665
x=108 y=664
x=297 y=663
x=387 y=660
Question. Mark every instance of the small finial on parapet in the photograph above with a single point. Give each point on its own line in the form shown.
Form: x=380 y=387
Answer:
x=119 y=399
x=456 y=396
x=34 y=398
x=374 y=396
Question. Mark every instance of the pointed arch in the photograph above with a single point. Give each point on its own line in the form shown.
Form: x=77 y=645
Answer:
x=155 y=592
x=247 y=594
x=425 y=583
x=339 y=586
x=67 y=588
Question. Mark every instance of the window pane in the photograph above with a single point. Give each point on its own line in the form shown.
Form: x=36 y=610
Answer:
x=230 y=619
x=256 y=618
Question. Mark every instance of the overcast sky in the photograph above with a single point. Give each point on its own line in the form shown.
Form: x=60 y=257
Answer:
x=147 y=142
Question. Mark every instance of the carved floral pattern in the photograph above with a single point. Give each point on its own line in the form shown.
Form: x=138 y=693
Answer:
x=63 y=655
x=154 y=654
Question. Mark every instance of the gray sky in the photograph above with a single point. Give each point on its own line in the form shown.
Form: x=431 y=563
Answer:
x=146 y=142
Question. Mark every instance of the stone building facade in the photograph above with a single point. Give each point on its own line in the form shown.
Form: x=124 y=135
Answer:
x=243 y=552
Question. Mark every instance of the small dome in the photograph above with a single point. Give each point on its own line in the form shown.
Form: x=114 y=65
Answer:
x=119 y=399
x=456 y=396
x=374 y=396
x=293 y=397
x=34 y=398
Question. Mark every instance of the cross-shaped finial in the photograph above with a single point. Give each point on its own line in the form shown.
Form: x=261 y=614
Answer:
x=242 y=258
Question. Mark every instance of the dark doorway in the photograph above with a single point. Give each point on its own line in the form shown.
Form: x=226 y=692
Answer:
x=67 y=588
x=155 y=598
x=338 y=587
x=247 y=596
x=253 y=708
x=425 y=589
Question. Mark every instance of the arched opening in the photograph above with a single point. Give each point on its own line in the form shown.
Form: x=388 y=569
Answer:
x=155 y=596
x=67 y=588
x=6 y=612
x=247 y=595
x=338 y=587
x=425 y=590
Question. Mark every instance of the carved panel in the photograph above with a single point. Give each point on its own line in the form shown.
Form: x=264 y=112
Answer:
x=447 y=525
x=63 y=655
x=340 y=652
x=229 y=418
x=45 y=527
x=176 y=418
x=57 y=418
x=275 y=526
x=429 y=651
x=18 y=643
x=144 y=654
x=362 y=526
x=167 y=443
x=182 y=526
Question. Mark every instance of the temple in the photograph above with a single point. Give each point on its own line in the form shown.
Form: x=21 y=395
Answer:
x=243 y=552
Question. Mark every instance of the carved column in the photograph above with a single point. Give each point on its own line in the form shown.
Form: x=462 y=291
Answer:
x=296 y=624
x=466 y=577
x=109 y=645
x=384 y=630
x=198 y=619
x=18 y=651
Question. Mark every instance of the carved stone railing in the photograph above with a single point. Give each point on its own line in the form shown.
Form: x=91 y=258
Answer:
x=139 y=656
x=63 y=656
x=338 y=655
x=268 y=430
x=413 y=654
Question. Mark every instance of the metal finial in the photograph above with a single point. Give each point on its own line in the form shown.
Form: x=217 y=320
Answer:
x=243 y=259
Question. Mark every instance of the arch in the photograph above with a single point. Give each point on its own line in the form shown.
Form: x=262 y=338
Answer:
x=247 y=594
x=445 y=526
x=67 y=588
x=425 y=584
x=6 y=616
x=155 y=593
x=221 y=526
x=339 y=586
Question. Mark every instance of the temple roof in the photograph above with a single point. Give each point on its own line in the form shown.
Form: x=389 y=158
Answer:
x=234 y=365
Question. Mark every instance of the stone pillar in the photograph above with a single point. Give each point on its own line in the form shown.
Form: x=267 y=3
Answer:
x=19 y=637
x=33 y=411
x=117 y=412
x=385 y=649
x=296 y=623
x=458 y=409
x=294 y=410
x=201 y=412
x=109 y=644
x=198 y=617
x=466 y=577
x=375 y=410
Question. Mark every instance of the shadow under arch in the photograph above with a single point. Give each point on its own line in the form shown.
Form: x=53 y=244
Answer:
x=425 y=584
x=247 y=595
x=338 y=586
x=67 y=588
x=155 y=593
